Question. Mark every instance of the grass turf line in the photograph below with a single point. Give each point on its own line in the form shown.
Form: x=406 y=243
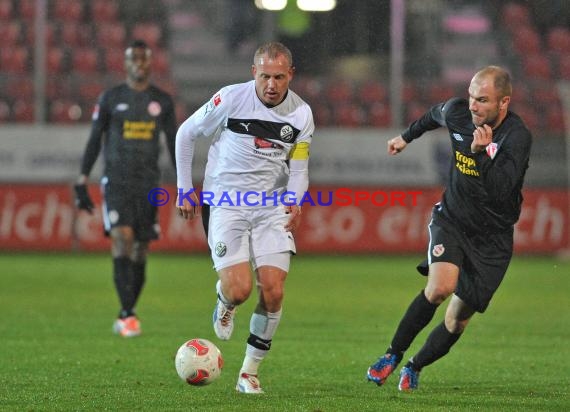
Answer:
x=57 y=351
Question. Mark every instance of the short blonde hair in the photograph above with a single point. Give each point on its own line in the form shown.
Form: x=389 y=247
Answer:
x=272 y=50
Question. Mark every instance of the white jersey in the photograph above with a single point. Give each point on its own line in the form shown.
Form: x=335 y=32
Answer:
x=251 y=147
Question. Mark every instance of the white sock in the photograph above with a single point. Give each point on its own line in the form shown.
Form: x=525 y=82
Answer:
x=250 y=365
x=224 y=300
x=263 y=326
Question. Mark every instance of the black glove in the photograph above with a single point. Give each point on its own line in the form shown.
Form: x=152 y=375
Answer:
x=82 y=199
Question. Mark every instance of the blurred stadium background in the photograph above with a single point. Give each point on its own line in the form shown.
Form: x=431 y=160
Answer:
x=367 y=67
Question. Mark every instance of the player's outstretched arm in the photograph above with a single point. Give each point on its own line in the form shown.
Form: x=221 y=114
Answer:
x=396 y=145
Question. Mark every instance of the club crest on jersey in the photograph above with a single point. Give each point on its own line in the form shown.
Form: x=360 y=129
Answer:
x=438 y=250
x=286 y=133
x=154 y=108
x=217 y=99
x=492 y=149
x=457 y=137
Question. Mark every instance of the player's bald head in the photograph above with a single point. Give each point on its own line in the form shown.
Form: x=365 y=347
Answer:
x=501 y=79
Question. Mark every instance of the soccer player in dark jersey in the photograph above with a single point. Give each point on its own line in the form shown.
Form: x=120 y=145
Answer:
x=471 y=231
x=127 y=122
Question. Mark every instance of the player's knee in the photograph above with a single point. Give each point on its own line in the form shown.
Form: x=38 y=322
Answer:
x=139 y=252
x=437 y=294
x=239 y=292
x=454 y=325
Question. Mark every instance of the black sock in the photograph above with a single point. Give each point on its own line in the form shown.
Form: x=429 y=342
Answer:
x=139 y=277
x=438 y=344
x=419 y=314
x=123 y=277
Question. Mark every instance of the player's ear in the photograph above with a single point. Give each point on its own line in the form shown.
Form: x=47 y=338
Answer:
x=253 y=70
x=505 y=102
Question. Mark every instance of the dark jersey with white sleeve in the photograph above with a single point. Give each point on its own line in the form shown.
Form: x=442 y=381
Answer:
x=128 y=123
x=483 y=193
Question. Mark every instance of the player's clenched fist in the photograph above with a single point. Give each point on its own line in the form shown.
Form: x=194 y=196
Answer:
x=482 y=137
x=396 y=145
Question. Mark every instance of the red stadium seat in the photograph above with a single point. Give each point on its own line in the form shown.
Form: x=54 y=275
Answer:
x=74 y=34
x=68 y=10
x=14 y=59
x=438 y=93
x=339 y=91
x=371 y=92
x=521 y=94
x=308 y=87
x=348 y=115
x=64 y=111
x=10 y=33
x=104 y=11
x=151 y=33
x=528 y=115
x=322 y=115
x=537 y=66
x=415 y=110
x=22 y=88
x=89 y=91
x=514 y=15
x=111 y=34
x=114 y=60
x=55 y=60
x=379 y=115
x=558 y=40
x=526 y=40
x=85 y=60
x=409 y=93
x=6 y=10
x=160 y=62
x=545 y=94
x=59 y=87
x=27 y=9
x=23 y=111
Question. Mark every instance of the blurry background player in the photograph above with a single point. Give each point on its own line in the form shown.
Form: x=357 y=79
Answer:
x=471 y=231
x=261 y=136
x=127 y=122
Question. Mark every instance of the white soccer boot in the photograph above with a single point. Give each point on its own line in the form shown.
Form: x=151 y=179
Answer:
x=248 y=384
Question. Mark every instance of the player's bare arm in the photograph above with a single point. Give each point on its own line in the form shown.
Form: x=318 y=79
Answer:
x=396 y=145
x=295 y=217
x=482 y=137
x=186 y=209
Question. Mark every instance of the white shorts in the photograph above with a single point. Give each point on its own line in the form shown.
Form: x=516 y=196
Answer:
x=238 y=235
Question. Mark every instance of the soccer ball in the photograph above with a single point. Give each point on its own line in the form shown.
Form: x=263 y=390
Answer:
x=198 y=362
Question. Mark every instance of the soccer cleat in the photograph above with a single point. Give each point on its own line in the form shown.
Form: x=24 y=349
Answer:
x=248 y=384
x=409 y=379
x=379 y=372
x=223 y=320
x=128 y=327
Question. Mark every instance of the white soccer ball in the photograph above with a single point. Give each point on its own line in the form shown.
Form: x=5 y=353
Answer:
x=199 y=362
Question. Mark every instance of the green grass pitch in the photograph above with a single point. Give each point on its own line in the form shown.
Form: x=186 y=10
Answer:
x=57 y=351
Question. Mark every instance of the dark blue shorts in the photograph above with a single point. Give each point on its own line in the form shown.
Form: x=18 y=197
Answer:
x=482 y=259
x=125 y=205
